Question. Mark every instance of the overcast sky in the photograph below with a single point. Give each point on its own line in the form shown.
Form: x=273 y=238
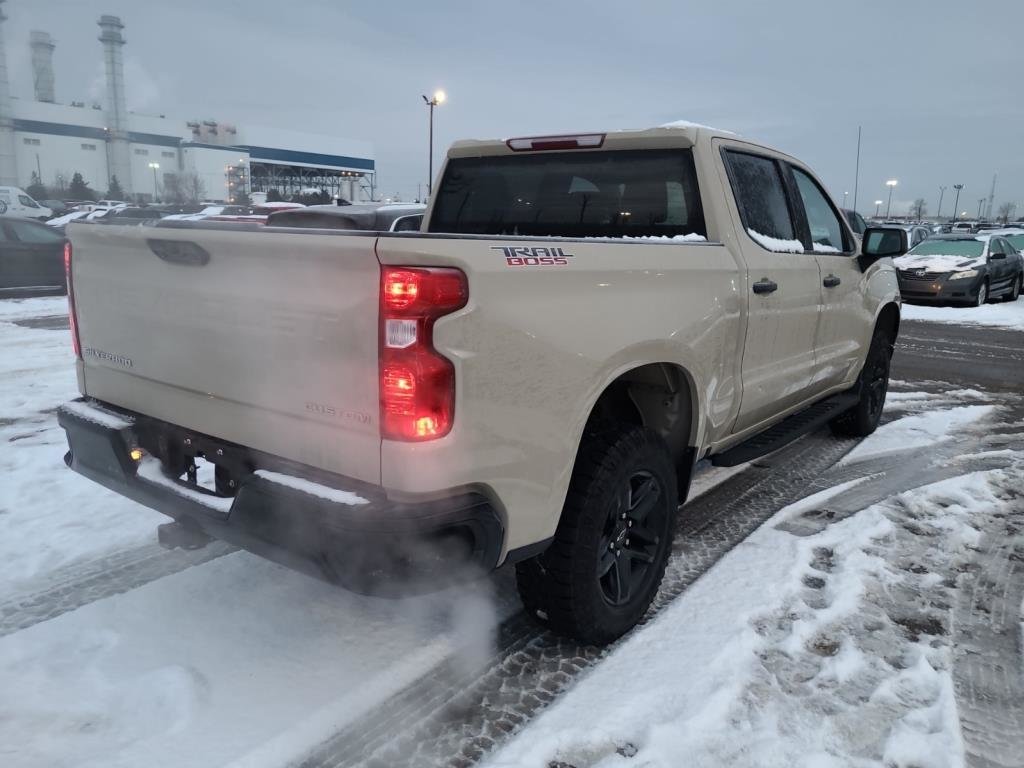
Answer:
x=937 y=85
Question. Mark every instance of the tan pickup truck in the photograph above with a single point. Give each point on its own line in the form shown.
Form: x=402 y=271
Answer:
x=530 y=379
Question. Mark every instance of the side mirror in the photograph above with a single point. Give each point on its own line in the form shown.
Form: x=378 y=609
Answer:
x=997 y=255
x=880 y=242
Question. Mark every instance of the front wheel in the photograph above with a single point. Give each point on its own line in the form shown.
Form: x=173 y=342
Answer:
x=873 y=385
x=603 y=568
x=982 y=295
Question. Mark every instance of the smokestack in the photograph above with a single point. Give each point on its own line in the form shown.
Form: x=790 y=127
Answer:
x=42 y=64
x=118 y=151
x=8 y=160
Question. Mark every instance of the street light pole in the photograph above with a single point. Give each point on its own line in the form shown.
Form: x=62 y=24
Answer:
x=938 y=211
x=155 y=167
x=891 y=184
x=981 y=202
x=878 y=204
x=438 y=98
x=956 y=203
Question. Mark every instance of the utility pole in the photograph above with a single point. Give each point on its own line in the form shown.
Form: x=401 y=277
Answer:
x=956 y=203
x=938 y=210
x=981 y=204
x=856 y=174
x=991 y=196
x=437 y=98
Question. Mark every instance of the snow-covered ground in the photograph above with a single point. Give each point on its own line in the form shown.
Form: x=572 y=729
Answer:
x=49 y=517
x=999 y=315
x=828 y=649
x=796 y=648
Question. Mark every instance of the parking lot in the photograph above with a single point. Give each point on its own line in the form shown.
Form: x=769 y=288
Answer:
x=860 y=598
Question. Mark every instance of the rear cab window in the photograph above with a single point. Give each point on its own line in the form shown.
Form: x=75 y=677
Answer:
x=608 y=193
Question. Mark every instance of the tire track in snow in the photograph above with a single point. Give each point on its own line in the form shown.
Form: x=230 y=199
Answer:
x=454 y=718
x=83 y=583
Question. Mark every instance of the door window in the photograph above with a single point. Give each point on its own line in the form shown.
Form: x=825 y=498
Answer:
x=827 y=235
x=995 y=246
x=761 y=198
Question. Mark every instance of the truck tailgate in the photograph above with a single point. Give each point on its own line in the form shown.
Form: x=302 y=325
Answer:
x=267 y=339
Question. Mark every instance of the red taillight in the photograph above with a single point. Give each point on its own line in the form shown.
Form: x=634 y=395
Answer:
x=72 y=315
x=548 y=143
x=417 y=384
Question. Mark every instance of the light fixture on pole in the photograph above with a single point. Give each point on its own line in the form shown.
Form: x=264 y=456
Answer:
x=891 y=184
x=844 y=198
x=155 y=167
x=878 y=204
x=956 y=203
x=438 y=98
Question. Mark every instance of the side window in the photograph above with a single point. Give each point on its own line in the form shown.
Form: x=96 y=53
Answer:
x=826 y=230
x=28 y=232
x=27 y=201
x=760 y=195
x=995 y=246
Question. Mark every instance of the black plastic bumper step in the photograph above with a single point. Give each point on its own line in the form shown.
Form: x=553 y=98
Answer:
x=786 y=431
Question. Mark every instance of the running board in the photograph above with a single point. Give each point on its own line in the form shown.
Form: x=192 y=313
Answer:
x=786 y=431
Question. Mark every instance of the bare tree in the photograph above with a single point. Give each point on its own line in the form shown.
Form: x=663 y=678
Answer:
x=1006 y=210
x=193 y=187
x=187 y=187
x=919 y=208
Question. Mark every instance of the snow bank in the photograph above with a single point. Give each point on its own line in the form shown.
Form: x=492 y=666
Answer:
x=1003 y=315
x=917 y=431
x=777 y=245
x=781 y=655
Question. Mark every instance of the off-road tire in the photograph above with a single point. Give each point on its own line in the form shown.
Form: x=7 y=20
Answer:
x=872 y=384
x=562 y=587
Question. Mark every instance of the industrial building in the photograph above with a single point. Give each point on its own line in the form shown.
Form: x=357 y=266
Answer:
x=150 y=154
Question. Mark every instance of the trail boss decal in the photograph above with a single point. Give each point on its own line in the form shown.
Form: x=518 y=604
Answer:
x=520 y=256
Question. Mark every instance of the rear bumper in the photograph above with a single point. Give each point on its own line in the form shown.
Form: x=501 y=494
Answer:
x=329 y=526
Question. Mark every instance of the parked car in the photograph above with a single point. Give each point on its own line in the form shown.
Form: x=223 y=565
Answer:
x=963 y=227
x=31 y=259
x=962 y=269
x=530 y=380
x=58 y=223
x=57 y=207
x=127 y=214
x=856 y=221
x=915 y=232
x=15 y=201
x=374 y=217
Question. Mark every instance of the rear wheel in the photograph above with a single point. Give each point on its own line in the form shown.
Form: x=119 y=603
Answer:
x=1014 y=293
x=873 y=384
x=603 y=568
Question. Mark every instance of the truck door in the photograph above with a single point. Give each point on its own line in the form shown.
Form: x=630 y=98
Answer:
x=844 y=326
x=782 y=284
